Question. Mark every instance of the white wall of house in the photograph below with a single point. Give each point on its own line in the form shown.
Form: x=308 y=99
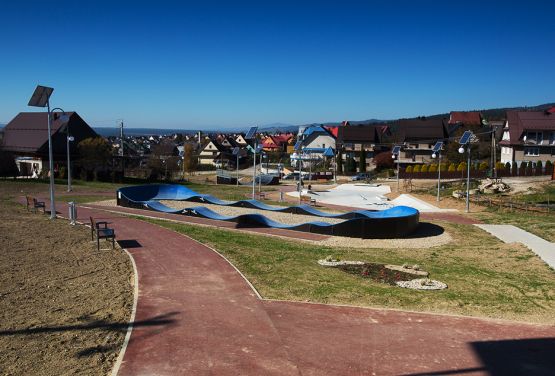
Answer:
x=321 y=141
x=507 y=154
x=208 y=154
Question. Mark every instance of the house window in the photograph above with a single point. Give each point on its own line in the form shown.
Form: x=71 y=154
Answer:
x=552 y=138
x=534 y=137
x=532 y=152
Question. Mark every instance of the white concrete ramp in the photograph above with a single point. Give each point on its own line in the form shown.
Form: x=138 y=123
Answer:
x=512 y=234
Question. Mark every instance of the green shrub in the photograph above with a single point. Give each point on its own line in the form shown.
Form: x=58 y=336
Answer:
x=424 y=168
x=548 y=166
x=452 y=168
x=408 y=169
x=416 y=168
x=461 y=167
x=499 y=166
x=432 y=168
x=483 y=166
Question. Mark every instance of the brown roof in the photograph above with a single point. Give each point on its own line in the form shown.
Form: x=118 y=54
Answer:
x=465 y=117
x=522 y=121
x=429 y=129
x=358 y=134
x=28 y=131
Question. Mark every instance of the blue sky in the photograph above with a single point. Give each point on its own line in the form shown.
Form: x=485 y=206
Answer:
x=214 y=64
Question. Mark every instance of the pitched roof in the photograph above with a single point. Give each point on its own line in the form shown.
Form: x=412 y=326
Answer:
x=422 y=128
x=358 y=134
x=465 y=117
x=522 y=121
x=28 y=131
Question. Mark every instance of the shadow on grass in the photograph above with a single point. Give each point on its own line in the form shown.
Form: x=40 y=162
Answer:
x=426 y=229
x=160 y=320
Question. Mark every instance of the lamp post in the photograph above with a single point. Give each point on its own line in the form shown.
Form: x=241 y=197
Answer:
x=436 y=153
x=41 y=98
x=465 y=141
x=69 y=139
x=438 y=156
x=396 y=153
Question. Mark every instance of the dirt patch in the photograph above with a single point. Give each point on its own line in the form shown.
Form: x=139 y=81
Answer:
x=64 y=306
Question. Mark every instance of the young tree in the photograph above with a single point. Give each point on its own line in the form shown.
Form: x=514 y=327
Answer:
x=189 y=159
x=362 y=160
x=383 y=161
x=94 y=154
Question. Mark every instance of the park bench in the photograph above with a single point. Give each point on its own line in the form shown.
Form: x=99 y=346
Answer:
x=308 y=199
x=33 y=203
x=102 y=231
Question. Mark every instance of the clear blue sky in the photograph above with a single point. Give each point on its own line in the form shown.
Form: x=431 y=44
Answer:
x=207 y=64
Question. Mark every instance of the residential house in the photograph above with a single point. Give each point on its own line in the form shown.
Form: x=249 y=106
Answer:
x=26 y=136
x=353 y=138
x=277 y=142
x=240 y=139
x=418 y=136
x=528 y=136
x=209 y=153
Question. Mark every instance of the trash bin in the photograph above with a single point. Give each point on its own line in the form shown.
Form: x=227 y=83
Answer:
x=72 y=212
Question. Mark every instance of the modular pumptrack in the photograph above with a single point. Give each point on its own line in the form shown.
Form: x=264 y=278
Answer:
x=396 y=222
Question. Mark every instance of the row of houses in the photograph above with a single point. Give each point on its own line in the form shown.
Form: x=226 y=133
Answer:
x=524 y=136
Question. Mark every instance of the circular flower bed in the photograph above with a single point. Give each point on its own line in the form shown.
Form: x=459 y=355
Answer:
x=376 y=272
x=422 y=284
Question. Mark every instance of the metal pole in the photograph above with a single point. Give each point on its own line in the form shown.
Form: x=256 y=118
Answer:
x=300 y=173
x=260 y=175
x=51 y=164
x=237 y=182
x=334 y=169
x=438 y=174
x=398 y=155
x=68 y=160
x=254 y=169
x=468 y=181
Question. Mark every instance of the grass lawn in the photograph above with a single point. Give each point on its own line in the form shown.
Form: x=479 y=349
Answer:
x=485 y=276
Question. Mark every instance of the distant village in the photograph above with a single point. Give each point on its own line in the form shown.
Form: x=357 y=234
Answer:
x=513 y=142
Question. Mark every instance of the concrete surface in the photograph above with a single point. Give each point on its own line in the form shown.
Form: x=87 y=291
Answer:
x=512 y=234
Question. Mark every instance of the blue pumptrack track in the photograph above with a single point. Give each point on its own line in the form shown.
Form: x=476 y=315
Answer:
x=396 y=222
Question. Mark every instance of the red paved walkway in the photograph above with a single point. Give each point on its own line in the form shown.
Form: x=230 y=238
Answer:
x=215 y=325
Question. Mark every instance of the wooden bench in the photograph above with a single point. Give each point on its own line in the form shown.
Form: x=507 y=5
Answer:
x=308 y=200
x=102 y=231
x=33 y=203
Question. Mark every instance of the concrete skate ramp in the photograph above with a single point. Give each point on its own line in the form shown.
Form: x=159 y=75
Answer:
x=391 y=223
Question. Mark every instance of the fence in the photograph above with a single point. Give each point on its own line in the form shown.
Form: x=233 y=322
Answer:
x=476 y=174
x=514 y=206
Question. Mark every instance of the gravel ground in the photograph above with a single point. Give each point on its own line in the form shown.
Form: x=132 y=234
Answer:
x=287 y=218
x=64 y=306
x=423 y=238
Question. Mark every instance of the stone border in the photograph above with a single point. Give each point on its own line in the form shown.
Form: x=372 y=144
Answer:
x=422 y=284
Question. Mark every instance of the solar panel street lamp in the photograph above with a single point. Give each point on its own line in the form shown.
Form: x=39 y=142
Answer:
x=259 y=151
x=465 y=141
x=299 y=149
x=436 y=153
x=396 y=153
x=251 y=135
x=236 y=153
x=41 y=98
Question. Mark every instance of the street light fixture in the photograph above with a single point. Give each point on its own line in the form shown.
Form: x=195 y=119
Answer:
x=396 y=153
x=41 y=98
x=251 y=135
x=436 y=153
x=465 y=141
